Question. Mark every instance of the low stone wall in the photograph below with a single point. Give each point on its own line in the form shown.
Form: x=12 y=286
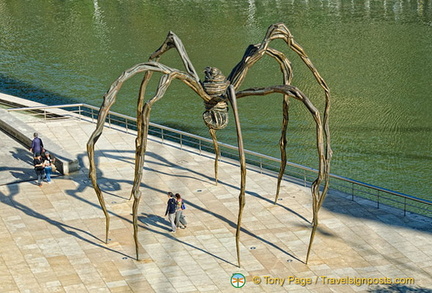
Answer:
x=17 y=129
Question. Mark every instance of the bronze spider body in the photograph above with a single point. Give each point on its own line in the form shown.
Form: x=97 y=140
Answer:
x=216 y=91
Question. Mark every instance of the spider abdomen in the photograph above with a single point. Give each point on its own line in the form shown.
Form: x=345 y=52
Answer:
x=216 y=117
x=215 y=85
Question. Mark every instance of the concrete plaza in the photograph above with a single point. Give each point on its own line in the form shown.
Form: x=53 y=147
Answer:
x=52 y=237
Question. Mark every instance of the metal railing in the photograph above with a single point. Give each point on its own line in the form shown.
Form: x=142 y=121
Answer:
x=300 y=174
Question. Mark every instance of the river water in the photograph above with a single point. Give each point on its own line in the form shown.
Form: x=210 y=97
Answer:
x=374 y=55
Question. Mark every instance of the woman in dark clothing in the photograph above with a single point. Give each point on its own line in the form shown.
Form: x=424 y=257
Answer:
x=39 y=167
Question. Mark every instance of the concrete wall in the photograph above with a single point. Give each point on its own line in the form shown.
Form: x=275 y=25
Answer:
x=23 y=133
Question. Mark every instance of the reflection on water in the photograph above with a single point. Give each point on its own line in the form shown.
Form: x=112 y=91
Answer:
x=375 y=56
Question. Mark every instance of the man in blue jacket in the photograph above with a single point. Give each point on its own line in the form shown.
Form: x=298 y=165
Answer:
x=37 y=146
x=171 y=210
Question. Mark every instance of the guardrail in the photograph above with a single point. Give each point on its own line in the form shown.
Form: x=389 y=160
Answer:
x=262 y=163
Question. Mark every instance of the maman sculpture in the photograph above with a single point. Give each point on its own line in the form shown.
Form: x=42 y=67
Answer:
x=216 y=91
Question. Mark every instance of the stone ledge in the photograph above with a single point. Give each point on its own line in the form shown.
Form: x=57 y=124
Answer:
x=17 y=129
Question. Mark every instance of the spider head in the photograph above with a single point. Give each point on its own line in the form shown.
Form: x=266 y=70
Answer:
x=215 y=85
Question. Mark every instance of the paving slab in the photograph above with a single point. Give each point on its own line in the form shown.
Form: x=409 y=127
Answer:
x=53 y=236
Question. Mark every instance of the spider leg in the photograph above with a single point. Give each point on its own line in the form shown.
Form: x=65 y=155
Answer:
x=251 y=56
x=103 y=112
x=280 y=31
x=256 y=52
x=321 y=137
x=217 y=152
x=142 y=122
x=173 y=41
x=242 y=199
x=283 y=144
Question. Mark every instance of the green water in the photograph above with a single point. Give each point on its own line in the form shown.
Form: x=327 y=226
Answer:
x=374 y=55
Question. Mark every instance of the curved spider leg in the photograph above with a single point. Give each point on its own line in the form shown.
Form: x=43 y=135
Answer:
x=321 y=136
x=242 y=200
x=280 y=31
x=173 y=41
x=217 y=153
x=103 y=112
x=143 y=120
x=255 y=52
x=109 y=99
x=252 y=55
x=287 y=74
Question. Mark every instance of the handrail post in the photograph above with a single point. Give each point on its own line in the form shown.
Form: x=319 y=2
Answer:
x=378 y=199
x=304 y=178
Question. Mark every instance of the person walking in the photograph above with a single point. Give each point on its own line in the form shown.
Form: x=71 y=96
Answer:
x=37 y=146
x=180 y=220
x=171 y=210
x=39 y=168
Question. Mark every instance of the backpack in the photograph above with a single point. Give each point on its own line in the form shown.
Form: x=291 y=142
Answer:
x=183 y=206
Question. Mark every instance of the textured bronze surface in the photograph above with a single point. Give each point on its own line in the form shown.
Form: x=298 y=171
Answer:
x=216 y=91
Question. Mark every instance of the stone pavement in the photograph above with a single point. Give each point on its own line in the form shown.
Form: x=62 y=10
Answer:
x=52 y=238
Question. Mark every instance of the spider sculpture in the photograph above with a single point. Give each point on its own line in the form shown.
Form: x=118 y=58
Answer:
x=217 y=90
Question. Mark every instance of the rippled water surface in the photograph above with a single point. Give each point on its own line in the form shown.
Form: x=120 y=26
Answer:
x=374 y=55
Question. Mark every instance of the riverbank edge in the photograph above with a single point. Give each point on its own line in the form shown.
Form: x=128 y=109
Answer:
x=23 y=133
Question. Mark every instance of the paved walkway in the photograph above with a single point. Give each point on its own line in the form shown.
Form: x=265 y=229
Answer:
x=52 y=237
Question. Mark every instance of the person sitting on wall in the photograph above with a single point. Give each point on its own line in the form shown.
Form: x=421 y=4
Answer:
x=48 y=165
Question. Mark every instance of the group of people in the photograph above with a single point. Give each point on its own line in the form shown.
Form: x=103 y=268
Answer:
x=43 y=162
x=174 y=211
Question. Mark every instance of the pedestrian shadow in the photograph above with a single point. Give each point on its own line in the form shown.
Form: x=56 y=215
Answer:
x=152 y=220
x=65 y=228
x=155 y=221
